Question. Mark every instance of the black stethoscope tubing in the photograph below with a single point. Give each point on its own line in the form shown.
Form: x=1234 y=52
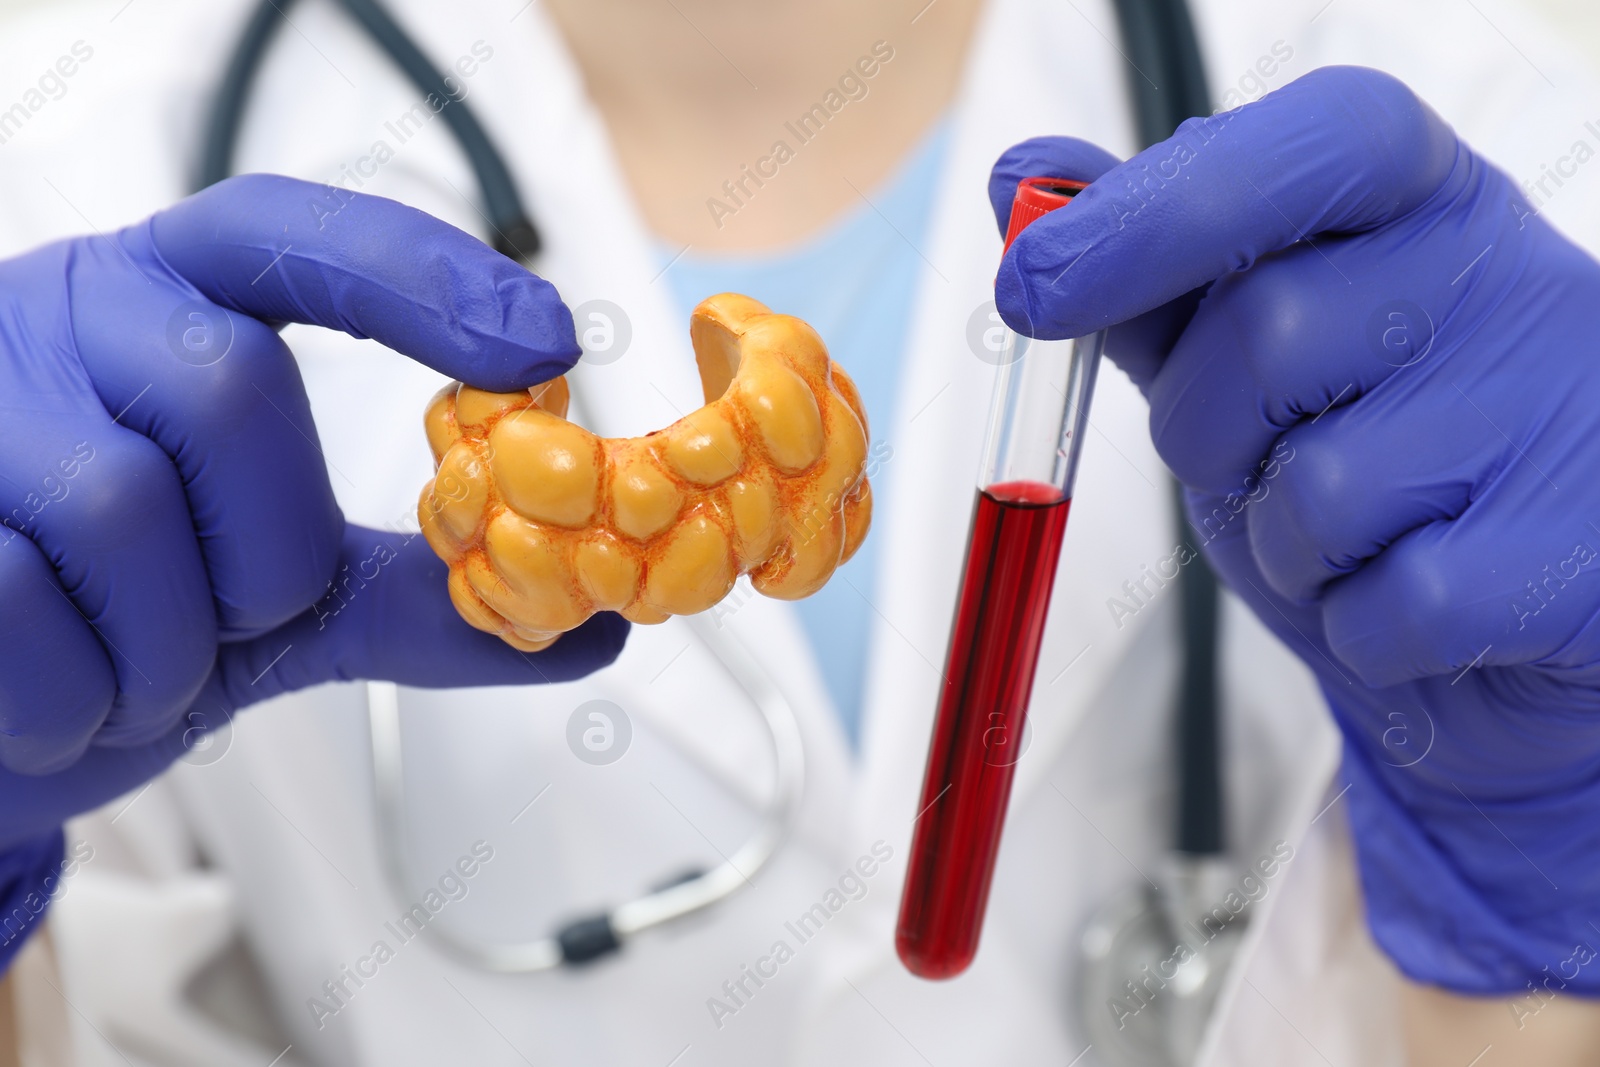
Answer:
x=515 y=234
x=1166 y=79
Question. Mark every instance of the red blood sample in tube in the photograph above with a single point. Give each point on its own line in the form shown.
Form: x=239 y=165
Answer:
x=994 y=649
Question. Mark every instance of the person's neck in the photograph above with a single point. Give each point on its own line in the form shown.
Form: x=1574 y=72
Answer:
x=699 y=94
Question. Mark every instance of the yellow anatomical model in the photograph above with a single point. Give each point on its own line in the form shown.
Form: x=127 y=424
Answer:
x=544 y=523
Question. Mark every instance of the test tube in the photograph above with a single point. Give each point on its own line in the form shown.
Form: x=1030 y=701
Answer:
x=1030 y=456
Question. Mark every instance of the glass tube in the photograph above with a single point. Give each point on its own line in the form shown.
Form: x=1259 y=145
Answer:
x=1030 y=459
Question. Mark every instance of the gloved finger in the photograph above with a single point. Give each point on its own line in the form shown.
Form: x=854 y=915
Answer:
x=1360 y=475
x=36 y=804
x=1219 y=527
x=283 y=250
x=1456 y=594
x=1310 y=328
x=1341 y=374
x=1140 y=345
x=1348 y=485
x=56 y=682
x=1342 y=149
x=220 y=393
x=119 y=536
x=388 y=616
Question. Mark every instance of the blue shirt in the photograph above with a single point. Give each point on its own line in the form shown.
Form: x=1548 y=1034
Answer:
x=854 y=282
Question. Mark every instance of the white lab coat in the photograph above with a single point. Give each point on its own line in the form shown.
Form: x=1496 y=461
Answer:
x=274 y=842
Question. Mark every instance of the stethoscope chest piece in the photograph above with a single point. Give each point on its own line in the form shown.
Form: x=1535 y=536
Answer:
x=1151 y=964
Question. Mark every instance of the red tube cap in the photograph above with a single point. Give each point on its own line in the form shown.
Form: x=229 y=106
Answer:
x=1036 y=198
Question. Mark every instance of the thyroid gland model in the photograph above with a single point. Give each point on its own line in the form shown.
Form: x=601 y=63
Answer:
x=543 y=523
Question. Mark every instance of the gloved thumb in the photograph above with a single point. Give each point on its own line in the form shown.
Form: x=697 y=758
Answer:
x=387 y=616
x=1138 y=346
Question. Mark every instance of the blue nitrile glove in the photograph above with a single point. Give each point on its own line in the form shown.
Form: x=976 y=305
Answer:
x=1376 y=372
x=172 y=551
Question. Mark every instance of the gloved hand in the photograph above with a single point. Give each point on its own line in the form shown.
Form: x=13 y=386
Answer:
x=1375 y=370
x=172 y=551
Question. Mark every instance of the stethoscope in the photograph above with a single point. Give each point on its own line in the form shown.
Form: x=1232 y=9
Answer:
x=590 y=937
x=1167 y=82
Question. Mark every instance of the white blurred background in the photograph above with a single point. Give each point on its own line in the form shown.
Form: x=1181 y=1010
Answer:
x=1577 y=20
